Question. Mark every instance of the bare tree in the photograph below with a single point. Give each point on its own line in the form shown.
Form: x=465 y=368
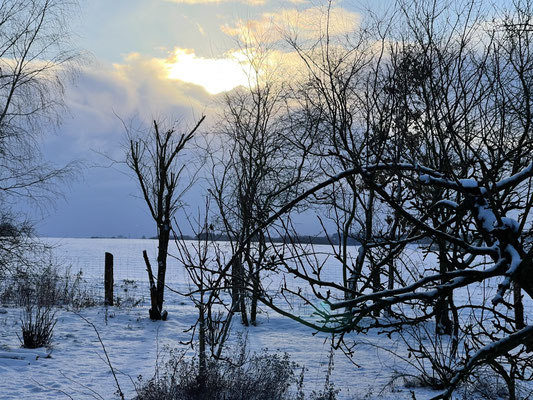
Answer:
x=36 y=60
x=155 y=156
x=447 y=154
x=203 y=260
x=343 y=94
x=260 y=164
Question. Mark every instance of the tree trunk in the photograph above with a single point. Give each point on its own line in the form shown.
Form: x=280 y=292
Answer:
x=164 y=237
x=394 y=234
x=202 y=362
x=256 y=278
x=255 y=295
x=444 y=325
x=344 y=250
x=242 y=305
x=238 y=293
x=235 y=285
x=242 y=279
x=155 y=312
x=375 y=270
x=518 y=307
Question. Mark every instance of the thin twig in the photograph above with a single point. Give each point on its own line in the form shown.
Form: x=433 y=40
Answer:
x=49 y=388
x=96 y=395
x=120 y=393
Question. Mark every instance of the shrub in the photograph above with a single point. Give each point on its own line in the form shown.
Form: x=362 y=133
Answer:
x=38 y=323
x=38 y=290
x=46 y=286
x=252 y=377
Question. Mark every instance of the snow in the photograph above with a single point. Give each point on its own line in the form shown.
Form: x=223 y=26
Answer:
x=486 y=216
x=468 y=183
x=133 y=343
x=511 y=223
x=447 y=203
x=424 y=178
x=516 y=178
x=76 y=364
x=516 y=260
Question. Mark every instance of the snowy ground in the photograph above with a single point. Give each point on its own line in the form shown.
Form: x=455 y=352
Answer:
x=75 y=367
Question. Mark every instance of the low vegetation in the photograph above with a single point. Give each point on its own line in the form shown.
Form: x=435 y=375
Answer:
x=240 y=376
x=47 y=284
x=39 y=290
x=37 y=323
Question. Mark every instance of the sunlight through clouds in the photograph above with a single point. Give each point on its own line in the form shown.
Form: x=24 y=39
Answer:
x=249 y=2
x=310 y=23
x=216 y=75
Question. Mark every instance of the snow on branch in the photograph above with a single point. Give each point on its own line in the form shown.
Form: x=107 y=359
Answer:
x=514 y=263
x=398 y=295
x=515 y=179
x=490 y=352
x=447 y=203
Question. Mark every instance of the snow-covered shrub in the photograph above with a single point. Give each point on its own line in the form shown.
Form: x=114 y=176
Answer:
x=37 y=324
x=432 y=358
x=484 y=384
x=257 y=376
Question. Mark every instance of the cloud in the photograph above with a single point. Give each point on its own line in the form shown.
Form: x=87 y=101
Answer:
x=249 y=2
x=138 y=86
x=216 y=75
x=201 y=29
x=310 y=23
x=182 y=85
x=263 y=38
x=138 y=89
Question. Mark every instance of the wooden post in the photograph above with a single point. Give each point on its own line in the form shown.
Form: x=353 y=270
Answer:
x=108 y=279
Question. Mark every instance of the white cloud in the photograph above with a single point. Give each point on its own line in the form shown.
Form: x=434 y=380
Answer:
x=136 y=87
x=201 y=29
x=310 y=23
x=216 y=75
x=249 y=2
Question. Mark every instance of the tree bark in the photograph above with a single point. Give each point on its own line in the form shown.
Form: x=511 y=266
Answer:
x=155 y=311
x=164 y=237
x=518 y=307
x=443 y=322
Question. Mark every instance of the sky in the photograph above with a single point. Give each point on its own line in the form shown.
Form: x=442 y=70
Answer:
x=167 y=60
x=162 y=59
x=146 y=59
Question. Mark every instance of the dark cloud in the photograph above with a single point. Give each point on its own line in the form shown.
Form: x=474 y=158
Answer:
x=102 y=201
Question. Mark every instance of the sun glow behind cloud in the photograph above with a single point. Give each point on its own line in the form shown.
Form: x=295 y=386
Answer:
x=216 y=75
x=310 y=23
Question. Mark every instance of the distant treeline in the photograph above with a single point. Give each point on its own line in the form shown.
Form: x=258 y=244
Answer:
x=224 y=238
x=303 y=239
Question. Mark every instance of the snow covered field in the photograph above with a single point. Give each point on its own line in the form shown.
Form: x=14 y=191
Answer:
x=76 y=367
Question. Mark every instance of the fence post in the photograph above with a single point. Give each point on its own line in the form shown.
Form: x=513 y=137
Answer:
x=108 y=279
